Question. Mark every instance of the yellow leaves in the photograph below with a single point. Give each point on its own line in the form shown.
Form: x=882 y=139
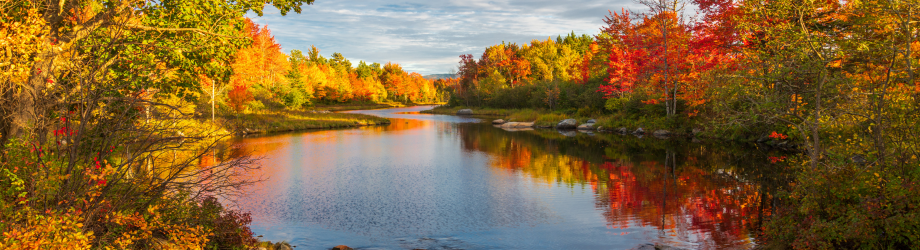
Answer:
x=19 y=41
x=52 y=231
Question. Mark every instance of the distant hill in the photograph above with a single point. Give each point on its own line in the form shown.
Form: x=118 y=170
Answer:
x=440 y=76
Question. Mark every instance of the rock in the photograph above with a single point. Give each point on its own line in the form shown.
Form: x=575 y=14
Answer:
x=283 y=246
x=591 y=121
x=567 y=124
x=601 y=129
x=517 y=125
x=342 y=247
x=661 y=133
x=499 y=121
x=639 y=131
x=622 y=130
x=587 y=126
x=465 y=112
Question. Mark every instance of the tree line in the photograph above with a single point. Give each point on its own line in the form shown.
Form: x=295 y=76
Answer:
x=264 y=77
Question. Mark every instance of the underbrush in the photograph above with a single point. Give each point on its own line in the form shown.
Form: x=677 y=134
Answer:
x=48 y=202
x=845 y=204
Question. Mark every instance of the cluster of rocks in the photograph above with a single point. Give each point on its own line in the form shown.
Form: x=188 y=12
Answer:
x=565 y=127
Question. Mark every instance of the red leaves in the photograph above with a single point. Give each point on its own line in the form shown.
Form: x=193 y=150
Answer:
x=239 y=96
x=774 y=159
x=661 y=52
x=779 y=136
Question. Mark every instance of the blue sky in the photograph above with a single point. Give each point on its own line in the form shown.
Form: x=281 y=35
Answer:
x=428 y=36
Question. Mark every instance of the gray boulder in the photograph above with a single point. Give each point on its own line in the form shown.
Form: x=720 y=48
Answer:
x=465 y=112
x=661 y=133
x=639 y=131
x=591 y=121
x=587 y=126
x=622 y=130
x=499 y=121
x=567 y=124
x=517 y=125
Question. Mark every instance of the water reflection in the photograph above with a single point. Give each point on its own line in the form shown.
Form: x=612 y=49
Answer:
x=694 y=195
x=430 y=181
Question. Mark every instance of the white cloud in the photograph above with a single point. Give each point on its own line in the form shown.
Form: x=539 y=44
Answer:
x=429 y=36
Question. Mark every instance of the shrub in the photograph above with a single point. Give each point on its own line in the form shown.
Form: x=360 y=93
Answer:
x=849 y=206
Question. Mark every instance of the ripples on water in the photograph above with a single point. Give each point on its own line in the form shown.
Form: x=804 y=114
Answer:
x=448 y=182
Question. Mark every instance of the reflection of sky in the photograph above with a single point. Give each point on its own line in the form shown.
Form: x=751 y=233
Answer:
x=428 y=36
x=414 y=184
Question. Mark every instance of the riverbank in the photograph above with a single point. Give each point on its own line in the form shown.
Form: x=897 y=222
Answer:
x=549 y=119
x=619 y=123
x=287 y=120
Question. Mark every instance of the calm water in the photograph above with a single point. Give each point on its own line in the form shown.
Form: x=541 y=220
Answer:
x=447 y=182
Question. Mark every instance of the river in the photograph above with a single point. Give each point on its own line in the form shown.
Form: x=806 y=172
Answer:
x=449 y=182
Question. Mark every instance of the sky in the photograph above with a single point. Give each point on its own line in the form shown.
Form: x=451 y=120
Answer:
x=428 y=36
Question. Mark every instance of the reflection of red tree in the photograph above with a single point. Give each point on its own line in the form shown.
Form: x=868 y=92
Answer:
x=687 y=202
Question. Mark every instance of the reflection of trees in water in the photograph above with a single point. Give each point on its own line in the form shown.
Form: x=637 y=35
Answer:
x=716 y=196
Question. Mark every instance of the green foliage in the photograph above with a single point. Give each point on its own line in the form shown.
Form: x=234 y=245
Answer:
x=849 y=206
x=254 y=106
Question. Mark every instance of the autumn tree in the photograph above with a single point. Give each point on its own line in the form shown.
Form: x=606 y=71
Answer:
x=81 y=73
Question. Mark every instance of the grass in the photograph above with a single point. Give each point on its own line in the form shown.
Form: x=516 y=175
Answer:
x=284 y=121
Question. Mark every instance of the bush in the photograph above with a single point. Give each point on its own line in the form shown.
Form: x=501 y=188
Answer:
x=849 y=206
x=255 y=106
x=295 y=99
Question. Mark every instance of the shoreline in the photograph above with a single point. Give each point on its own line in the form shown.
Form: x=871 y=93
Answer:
x=321 y=117
x=542 y=119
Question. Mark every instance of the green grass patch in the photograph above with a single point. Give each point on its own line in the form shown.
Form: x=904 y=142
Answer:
x=283 y=121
